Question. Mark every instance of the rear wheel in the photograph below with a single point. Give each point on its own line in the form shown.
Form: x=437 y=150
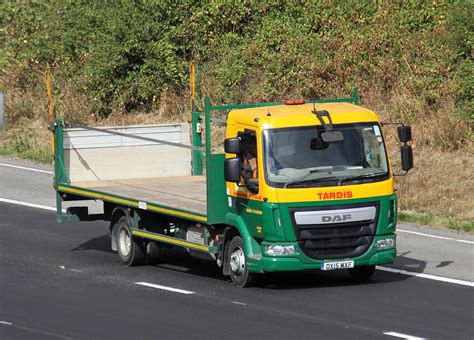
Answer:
x=239 y=273
x=154 y=253
x=130 y=249
x=362 y=273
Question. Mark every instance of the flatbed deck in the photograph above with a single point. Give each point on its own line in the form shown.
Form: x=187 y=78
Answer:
x=183 y=192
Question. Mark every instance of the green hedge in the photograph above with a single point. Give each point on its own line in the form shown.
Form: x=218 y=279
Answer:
x=125 y=55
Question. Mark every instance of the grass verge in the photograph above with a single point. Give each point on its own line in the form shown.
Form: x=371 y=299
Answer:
x=436 y=193
x=430 y=219
x=30 y=140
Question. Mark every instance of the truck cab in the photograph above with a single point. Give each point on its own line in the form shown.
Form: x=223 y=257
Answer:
x=319 y=191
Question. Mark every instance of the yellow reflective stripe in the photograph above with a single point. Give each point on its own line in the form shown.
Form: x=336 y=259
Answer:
x=179 y=213
x=170 y=240
x=96 y=195
x=312 y=194
x=135 y=204
x=328 y=194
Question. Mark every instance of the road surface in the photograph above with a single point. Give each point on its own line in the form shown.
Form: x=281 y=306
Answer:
x=63 y=281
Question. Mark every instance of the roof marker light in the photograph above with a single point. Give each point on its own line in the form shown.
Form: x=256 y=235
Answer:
x=294 y=101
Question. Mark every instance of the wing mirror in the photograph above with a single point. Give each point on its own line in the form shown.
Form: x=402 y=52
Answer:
x=232 y=170
x=232 y=145
x=404 y=133
x=407 y=157
x=406 y=151
x=332 y=136
x=329 y=135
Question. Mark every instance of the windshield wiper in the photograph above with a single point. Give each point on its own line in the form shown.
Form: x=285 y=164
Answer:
x=304 y=182
x=343 y=179
x=313 y=171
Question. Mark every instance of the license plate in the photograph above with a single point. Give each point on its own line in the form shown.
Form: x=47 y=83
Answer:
x=337 y=265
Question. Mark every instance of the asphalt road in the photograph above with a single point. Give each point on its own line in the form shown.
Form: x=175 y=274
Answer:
x=62 y=281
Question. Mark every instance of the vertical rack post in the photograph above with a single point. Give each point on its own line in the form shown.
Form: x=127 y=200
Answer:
x=60 y=174
x=52 y=113
x=196 y=140
x=209 y=175
x=207 y=113
x=192 y=83
x=196 y=126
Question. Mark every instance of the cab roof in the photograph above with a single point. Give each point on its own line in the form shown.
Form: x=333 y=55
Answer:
x=280 y=116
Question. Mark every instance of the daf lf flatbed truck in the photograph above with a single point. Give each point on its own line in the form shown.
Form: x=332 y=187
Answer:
x=300 y=186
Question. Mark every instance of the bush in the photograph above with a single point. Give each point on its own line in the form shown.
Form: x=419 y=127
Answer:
x=124 y=56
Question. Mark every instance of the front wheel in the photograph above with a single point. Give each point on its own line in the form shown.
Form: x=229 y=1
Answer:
x=362 y=273
x=130 y=249
x=239 y=273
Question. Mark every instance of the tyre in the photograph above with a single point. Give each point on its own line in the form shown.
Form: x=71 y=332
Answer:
x=239 y=273
x=130 y=249
x=362 y=273
x=153 y=253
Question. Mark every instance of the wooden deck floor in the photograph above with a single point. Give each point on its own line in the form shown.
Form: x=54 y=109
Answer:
x=186 y=192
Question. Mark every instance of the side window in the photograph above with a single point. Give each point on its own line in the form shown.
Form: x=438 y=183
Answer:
x=373 y=147
x=248 y=156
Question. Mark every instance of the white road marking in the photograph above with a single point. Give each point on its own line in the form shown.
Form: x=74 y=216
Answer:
x=427 y=276
x=239 y=303
x=27 y=204
x=434 y=236
x=25 y=168
x=171 y=289
x=465 y=241
x=393 y=270
x=403 y=336
x=33 y=330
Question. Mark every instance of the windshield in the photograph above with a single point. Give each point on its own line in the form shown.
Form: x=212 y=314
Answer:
x=298 y=157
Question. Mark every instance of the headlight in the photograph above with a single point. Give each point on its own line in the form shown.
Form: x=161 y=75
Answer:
x=385 y=243
x=279 y=250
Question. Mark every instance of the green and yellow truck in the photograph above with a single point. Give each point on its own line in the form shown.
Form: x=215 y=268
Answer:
x=301 y=186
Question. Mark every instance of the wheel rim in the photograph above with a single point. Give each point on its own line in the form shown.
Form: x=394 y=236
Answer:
x=125 y=241
x=237 y=261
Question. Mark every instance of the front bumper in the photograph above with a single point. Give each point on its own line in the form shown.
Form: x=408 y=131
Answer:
x=299 y=261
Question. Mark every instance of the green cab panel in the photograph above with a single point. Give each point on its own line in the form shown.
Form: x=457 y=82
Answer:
x=270 y=223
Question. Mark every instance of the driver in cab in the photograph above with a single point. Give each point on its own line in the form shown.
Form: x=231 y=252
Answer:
x=249 y=166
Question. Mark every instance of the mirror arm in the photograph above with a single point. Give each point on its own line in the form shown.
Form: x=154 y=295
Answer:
x=320 y=115
x=399 y=174
x=395 y=123
x=391 y=123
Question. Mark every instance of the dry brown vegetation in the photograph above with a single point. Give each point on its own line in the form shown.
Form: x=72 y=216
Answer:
x=115 y=63
x=438 y=189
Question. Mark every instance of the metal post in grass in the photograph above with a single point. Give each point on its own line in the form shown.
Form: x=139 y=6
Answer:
x=1 y=110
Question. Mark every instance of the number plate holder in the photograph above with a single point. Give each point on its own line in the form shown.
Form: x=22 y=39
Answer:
x=335 y=265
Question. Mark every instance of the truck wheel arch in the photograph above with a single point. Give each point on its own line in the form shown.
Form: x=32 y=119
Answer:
x=237 y=227
x=229 y=233
x=117 y=213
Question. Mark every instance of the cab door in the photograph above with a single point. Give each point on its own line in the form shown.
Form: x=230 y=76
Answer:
x=247 y=200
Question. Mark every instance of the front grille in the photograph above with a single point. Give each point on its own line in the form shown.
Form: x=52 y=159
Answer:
x=337 y=240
